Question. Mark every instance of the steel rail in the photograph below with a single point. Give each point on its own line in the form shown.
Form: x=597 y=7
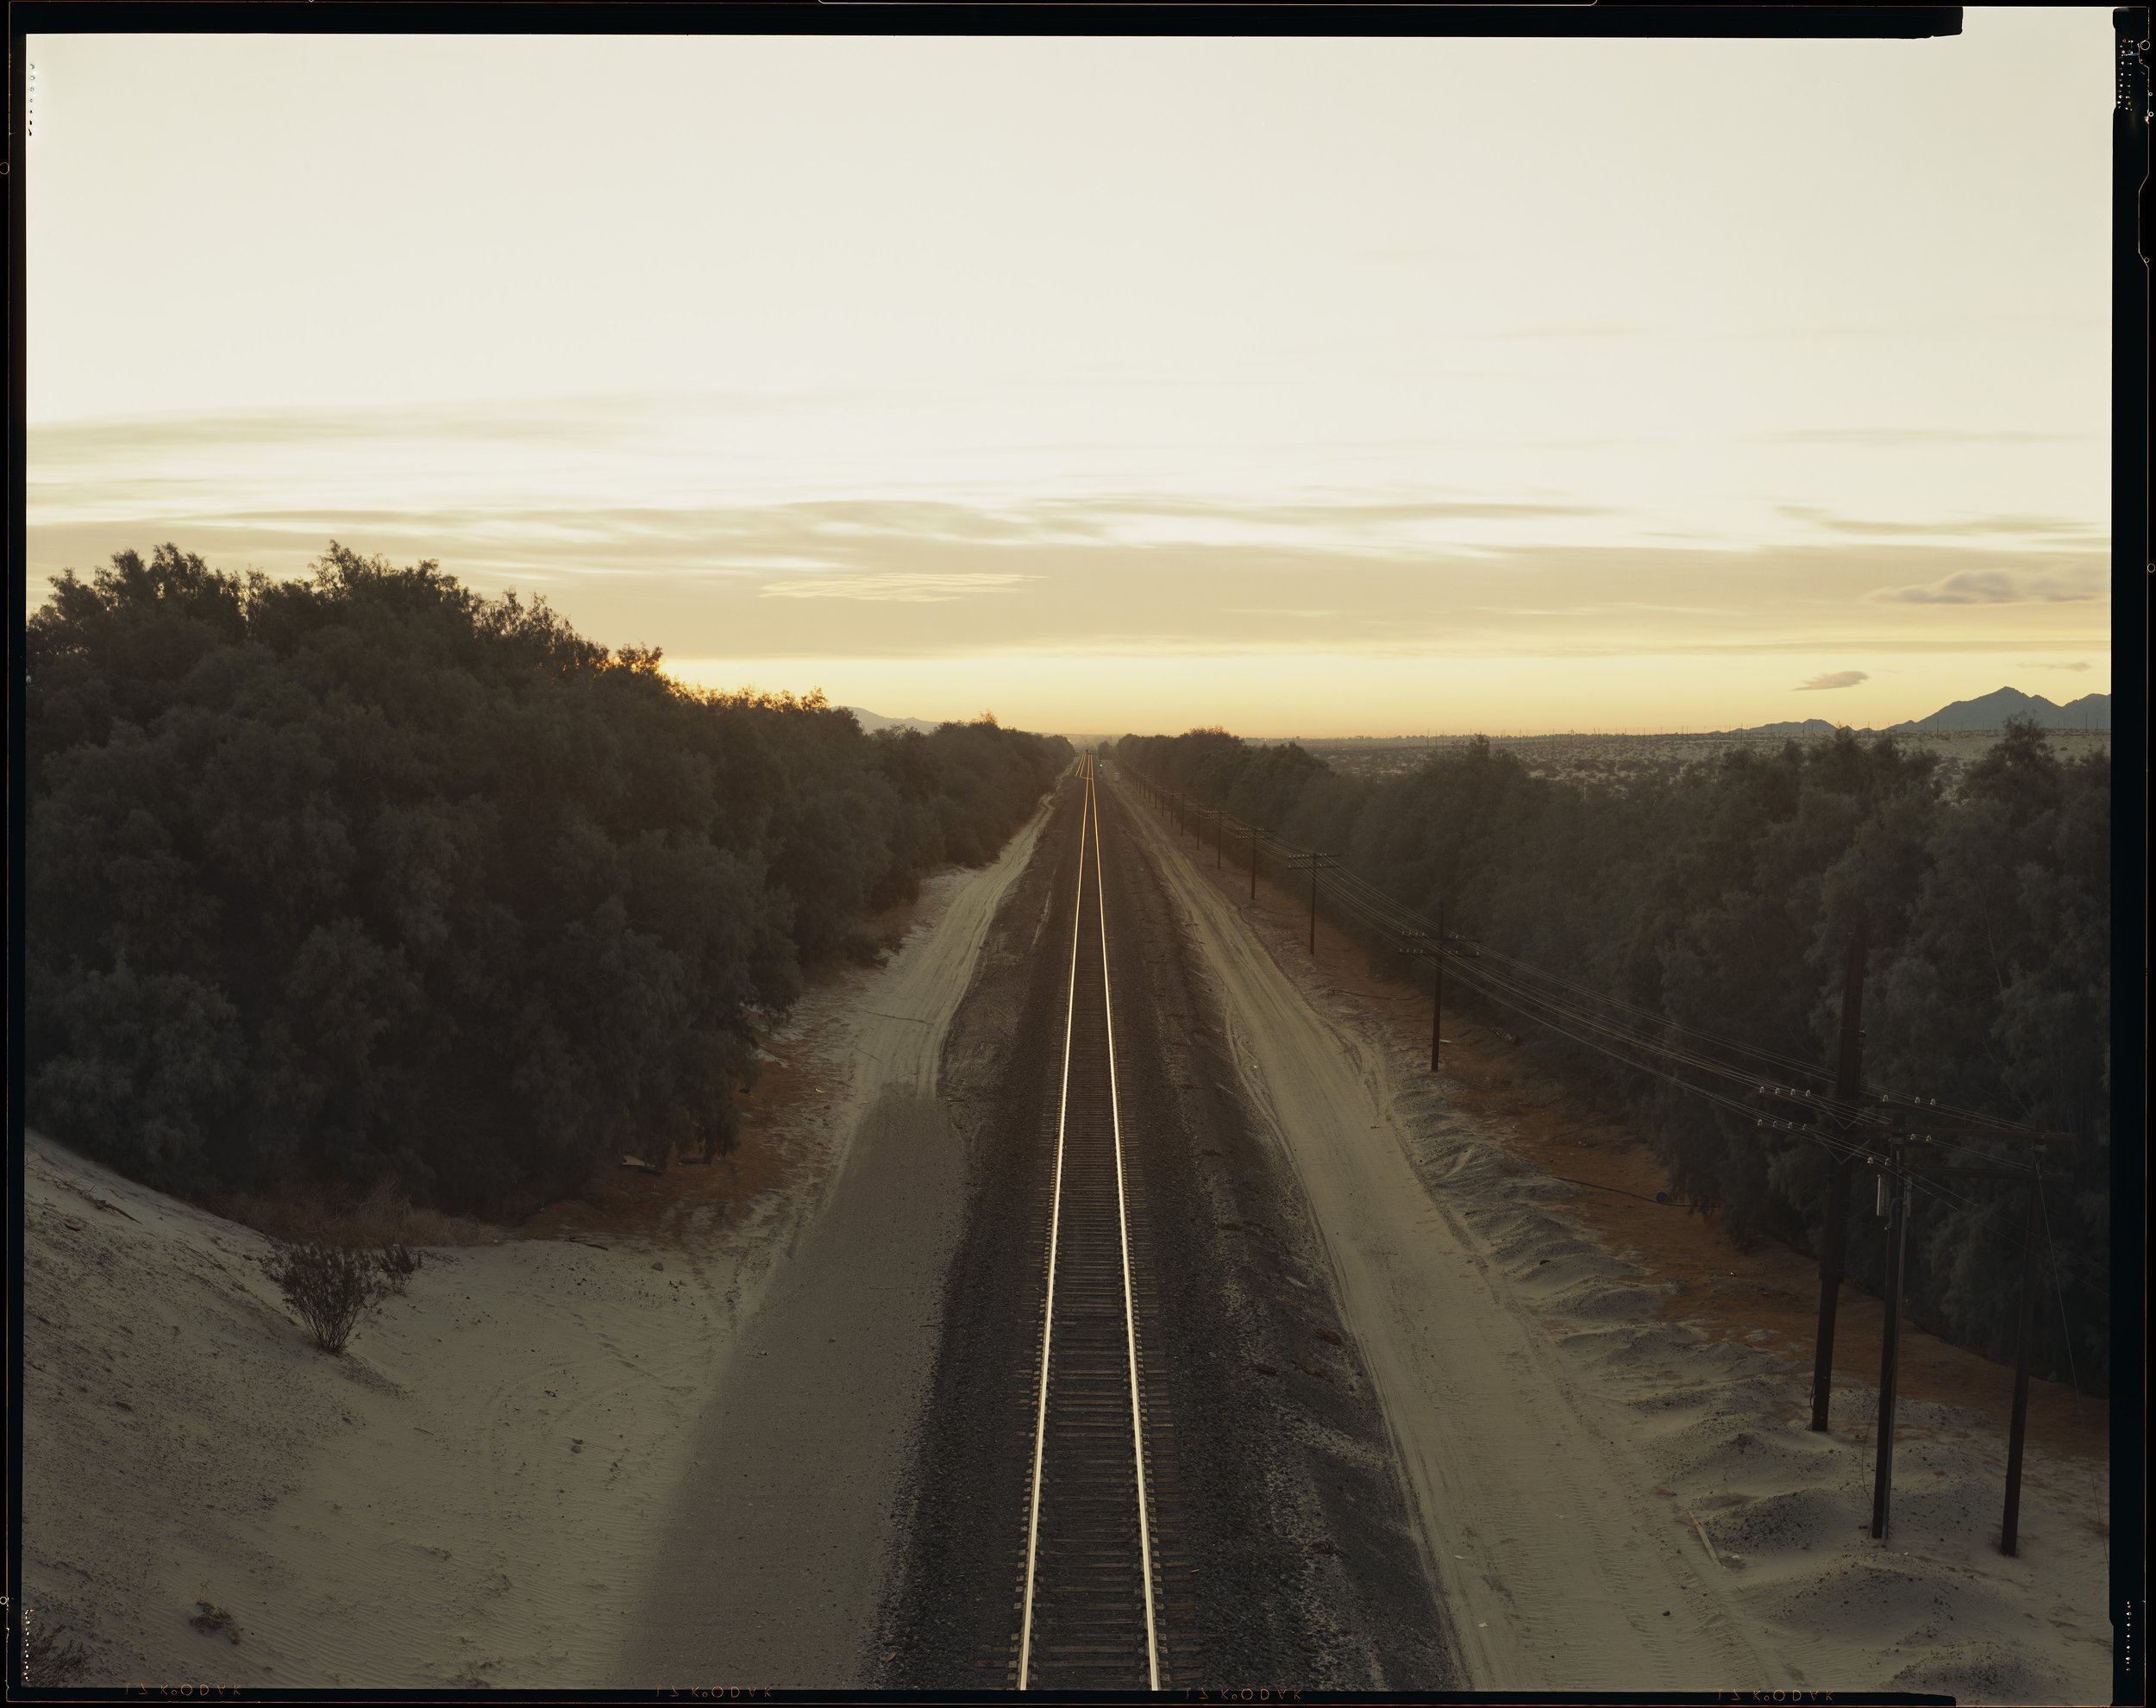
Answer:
x=1072 y=1537
x=1055 y=1216
x=1123 y=1228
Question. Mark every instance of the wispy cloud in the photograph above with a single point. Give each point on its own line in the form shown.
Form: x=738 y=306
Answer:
x=895 y=588
x=2056 y=527
x=1170 y=571
x=1346 y=513
x=1834 y=678
x=2065 y=664
x=1915 y=436
x=2005 y=585
x=564 y=419
x=1588 y=330
x=1900 y=329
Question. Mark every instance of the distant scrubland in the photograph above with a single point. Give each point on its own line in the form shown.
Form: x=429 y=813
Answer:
x=1721 y=895
x=1624 y=760
x=364 y=878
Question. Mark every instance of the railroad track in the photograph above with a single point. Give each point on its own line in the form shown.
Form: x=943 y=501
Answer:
x=1096 y=1588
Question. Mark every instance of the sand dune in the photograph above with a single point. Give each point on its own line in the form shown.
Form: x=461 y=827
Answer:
x=459 y=1499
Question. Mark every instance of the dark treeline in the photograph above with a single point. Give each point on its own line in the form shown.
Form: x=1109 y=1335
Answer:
x=365 y=876
x=1724 y=897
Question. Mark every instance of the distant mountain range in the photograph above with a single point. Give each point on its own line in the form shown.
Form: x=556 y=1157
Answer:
x=1986 y=712
x=1809 y=726
x=1991 y=711
x=874 y=720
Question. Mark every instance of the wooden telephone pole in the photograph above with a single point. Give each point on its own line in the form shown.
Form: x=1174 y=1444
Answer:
x=1890 y=1335
x=1437 y=994
x=1848 y=1083
x=2017 y=1430
x=1314 y=903
x=1316 y=861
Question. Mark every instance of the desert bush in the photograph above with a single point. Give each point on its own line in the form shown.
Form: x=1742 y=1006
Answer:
x=330 y=1287
x=397 y=1263
x=50 y=1659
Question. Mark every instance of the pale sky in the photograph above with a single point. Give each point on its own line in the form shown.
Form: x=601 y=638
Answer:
x=1325 y=386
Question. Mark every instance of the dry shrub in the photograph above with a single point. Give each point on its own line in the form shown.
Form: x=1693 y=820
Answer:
x=397 y=1263
x=215 y=1622
x=330 y=1286
x=48 y=1660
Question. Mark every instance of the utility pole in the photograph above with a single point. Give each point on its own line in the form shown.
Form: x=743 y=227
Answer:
x=1848 y=1084
x=1437 y=995
x=2017 y=1431
x=1253 y=862
x=1314 y=903
x=1890 y=1336
x=1220 y=837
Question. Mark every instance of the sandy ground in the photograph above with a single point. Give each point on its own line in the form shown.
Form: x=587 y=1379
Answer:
x=495 y=1481
x=786 y=1524
x=1573 y=1453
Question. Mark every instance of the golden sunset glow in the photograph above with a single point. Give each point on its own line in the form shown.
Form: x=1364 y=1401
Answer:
x=1301 y=386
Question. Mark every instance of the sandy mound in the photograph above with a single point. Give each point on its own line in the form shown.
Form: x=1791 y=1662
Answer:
x=1885 y=1599
x=445 y=1504
x=1795 y=1522
x=1984 y=1671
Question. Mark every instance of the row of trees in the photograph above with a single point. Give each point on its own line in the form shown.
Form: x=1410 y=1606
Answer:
x=366 y=877
x=1724 y=897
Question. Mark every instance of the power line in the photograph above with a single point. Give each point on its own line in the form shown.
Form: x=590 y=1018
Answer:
x=1631 y=1024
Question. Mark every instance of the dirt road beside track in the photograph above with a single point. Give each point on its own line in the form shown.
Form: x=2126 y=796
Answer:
x=781 y=1533
x=1534 y=1520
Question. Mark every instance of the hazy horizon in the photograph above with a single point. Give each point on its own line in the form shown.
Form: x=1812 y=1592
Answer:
x=1494 y=731
x=1339 y=387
